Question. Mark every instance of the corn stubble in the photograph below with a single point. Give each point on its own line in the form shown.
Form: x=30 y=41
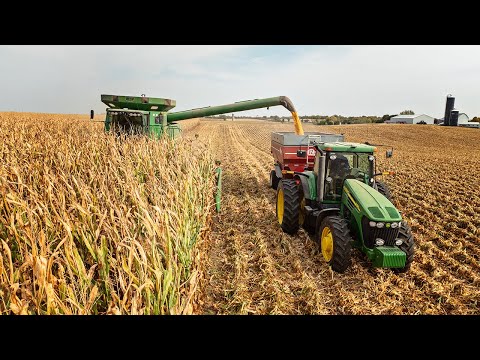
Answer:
x=255 y=268
x=90 y=224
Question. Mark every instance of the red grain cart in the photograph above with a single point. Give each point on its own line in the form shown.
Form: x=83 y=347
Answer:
x=293 y=152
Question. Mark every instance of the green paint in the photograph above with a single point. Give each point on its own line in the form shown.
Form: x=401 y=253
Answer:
x=388 y=257
x=218 y=195
x=373 y=204
x=312 y=185
x=223 y=109
x=347 y=147
x=138 y=103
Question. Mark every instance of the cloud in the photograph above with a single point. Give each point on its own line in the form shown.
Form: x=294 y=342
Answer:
x=346 y=80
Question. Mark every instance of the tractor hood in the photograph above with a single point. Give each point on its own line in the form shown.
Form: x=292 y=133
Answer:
x=369 y=201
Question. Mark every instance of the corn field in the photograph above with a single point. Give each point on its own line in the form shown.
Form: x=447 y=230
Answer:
x=92 y=224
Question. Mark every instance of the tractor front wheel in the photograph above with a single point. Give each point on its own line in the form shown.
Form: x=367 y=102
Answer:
x=288 y=205
x=383 y=189
x=333 y=237
x=405 y=233
x=274 y=180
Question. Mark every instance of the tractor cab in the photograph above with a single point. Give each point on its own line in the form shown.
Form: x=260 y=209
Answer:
x=344 y=161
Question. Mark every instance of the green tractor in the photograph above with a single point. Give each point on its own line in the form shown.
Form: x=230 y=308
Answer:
x=330 y=188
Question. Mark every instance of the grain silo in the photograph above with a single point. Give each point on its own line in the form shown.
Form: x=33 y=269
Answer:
x=454 y=118
x=448 y=110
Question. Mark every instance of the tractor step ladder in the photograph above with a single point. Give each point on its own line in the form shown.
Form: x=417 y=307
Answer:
x=310 y=145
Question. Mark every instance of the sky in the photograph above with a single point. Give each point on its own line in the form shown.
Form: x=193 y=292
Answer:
x=319 y=79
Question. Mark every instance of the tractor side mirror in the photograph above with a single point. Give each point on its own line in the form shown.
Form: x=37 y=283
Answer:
x=91 y=114
x=301 y=153
x=389 y=153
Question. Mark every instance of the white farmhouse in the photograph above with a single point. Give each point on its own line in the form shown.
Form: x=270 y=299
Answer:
x=411 y=119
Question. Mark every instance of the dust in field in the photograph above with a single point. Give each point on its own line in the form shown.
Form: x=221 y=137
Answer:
x=254 y=268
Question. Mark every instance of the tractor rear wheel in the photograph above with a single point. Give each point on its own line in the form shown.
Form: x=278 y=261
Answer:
x=333 y=237
x=405 y=233
x=274 y=180
x=288 y=205
x=383 y=189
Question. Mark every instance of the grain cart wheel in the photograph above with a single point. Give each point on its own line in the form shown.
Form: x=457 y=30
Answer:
x=288 y=205
x=274 y=180
x=335 y=242
x=405 y=233
x=383 y=189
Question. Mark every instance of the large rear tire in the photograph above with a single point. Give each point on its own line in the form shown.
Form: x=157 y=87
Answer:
x=383 y=189
x=288 y=205
x=274 y=180
x=408 y=246
x=335 y=241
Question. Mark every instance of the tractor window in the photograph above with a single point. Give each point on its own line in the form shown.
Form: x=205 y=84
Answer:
x=362 y=167
x=341 y=166
x=338 y=167
x=364 y=163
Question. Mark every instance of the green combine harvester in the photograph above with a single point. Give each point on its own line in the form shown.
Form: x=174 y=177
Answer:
x=148 y=115
x=330 y=188
x=142 y=115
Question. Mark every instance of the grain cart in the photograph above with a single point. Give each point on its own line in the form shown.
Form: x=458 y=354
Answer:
x=147 y=115
x=330 y=188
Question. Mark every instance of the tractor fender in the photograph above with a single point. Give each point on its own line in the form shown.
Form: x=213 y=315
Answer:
x=278 y=171
x=305 y=188
x=324 y=213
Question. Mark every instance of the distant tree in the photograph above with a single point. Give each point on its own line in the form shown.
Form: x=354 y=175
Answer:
x=333 y=119
x=476 y=119
x=407 y=112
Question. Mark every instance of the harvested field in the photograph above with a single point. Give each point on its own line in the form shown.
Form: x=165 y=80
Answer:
x=254 y=268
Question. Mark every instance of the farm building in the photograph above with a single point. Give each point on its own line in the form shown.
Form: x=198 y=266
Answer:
x=462 y=119
x=410 y=119
x=472 y=124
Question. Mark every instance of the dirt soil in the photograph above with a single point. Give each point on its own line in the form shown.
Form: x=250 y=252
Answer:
x=254 y=268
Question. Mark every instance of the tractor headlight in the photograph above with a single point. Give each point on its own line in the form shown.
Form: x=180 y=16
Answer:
x=379 y=242
x=371 y=157
x=333 y=157
x=398 y=242
x=372 y=223
x=394 y=225
x=380 y=225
